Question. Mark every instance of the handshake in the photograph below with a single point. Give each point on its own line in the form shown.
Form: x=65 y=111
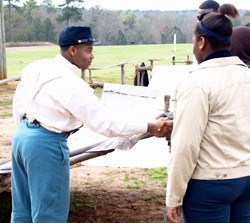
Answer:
x=163 y=126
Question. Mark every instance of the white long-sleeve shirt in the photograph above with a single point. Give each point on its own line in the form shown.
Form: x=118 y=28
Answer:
x=50 y=92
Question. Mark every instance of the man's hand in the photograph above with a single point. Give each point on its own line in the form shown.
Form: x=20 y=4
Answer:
x=162 y=127
x=174 y=214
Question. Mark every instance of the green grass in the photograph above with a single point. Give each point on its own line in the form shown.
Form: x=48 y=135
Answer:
x=5 y=115
x=135 y=183
x=18 y=58
x=154 y=174
x=80 y=202
x=6 y=102
x=7 y=105
x=158 y=173
x=148 y=197
x=105 y=56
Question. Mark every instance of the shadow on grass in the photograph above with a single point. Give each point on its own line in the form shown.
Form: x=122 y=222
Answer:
x=5 y=207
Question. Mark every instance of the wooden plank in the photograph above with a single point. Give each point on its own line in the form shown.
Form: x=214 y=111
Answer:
x=6 y=81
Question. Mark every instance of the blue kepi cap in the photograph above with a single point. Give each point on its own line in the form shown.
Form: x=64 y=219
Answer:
x=72 y=35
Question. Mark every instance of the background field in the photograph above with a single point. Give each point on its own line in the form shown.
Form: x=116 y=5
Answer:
x=105 y=56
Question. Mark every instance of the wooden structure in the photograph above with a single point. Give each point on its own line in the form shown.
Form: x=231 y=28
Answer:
x=187 y=62
x=5 y=81
x=137 y=69
x=122 y=68
x=3 y=69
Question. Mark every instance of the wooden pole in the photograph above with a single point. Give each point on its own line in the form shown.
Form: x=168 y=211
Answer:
x=7 y=80
x=3 y=69
x=174 y=43
x=138 y=76
x=167 y=102
x=189 y=61
x=173 y=60
x=90 y=76
x=83 y=74
x=123 y=73
x=151 y=62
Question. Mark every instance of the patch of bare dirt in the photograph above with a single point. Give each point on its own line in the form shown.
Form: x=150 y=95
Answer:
x=98 y=194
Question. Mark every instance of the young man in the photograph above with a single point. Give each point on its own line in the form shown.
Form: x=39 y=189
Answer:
x=206 y=7
x=49 y=103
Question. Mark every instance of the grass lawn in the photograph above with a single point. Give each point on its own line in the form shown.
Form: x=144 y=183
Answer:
x=105 y=56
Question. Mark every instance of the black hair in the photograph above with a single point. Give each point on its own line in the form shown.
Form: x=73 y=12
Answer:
x=216 y=27
x=210 y=4
x=65 y=48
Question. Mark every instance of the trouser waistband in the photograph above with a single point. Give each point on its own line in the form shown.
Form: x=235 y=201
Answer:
x=36 y=124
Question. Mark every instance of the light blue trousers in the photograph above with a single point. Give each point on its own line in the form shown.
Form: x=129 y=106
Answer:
x=40 y=175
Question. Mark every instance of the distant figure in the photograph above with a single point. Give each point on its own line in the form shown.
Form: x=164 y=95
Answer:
x=240 y=39
x=206 y=7
x=143 y=77
x=240 y=43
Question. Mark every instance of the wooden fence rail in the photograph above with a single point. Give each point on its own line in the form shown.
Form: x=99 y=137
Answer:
x=137 y=69
x=5 y=81
x=122 y=66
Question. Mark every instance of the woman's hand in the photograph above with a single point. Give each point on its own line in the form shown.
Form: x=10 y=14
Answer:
x=174 y=214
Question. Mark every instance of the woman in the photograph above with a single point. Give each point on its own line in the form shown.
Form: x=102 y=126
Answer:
x=209 y=171
x=240 y=45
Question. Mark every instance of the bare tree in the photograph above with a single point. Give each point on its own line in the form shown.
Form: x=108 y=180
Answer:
x=3 y=70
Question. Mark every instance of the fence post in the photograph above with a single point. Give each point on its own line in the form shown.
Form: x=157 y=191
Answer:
x=173 y=60
x=188 y=60
x=137 y=72
x=83 y=74
x=3 y=63
x=123 y=73
x=151 y=62
x=90 y=75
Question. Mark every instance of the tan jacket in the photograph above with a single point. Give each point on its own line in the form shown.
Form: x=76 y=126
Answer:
x=211 y=135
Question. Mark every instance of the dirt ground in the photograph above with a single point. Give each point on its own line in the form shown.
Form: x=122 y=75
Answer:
x=98 y=194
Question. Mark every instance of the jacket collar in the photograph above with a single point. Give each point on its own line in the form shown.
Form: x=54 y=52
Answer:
x=218 y=54
x=219 y=62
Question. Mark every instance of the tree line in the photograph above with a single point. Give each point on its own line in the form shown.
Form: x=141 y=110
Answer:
x=33 y=22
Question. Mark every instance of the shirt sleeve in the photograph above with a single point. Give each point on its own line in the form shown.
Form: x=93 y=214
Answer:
x=83 y=104
x=17 y=100
x=189 y=125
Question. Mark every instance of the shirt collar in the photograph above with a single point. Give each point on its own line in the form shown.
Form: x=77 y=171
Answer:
x=66 y=63
x=218 y=62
